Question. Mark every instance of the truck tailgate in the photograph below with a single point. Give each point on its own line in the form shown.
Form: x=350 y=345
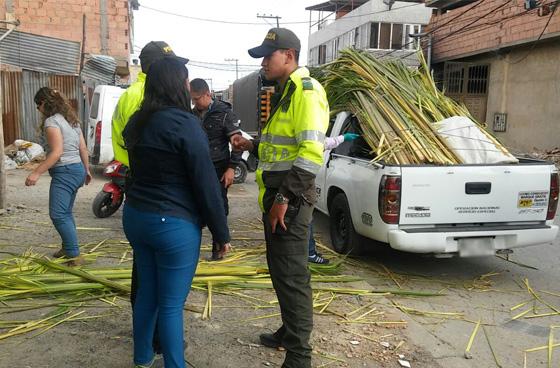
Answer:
x=474 y=194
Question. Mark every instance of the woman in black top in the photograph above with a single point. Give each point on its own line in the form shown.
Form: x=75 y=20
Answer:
x=173 y=191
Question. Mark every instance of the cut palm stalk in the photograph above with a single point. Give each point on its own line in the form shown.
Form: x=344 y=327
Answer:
x=471 y=340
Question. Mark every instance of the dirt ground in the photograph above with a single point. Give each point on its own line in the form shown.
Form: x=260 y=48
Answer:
x=228 y=339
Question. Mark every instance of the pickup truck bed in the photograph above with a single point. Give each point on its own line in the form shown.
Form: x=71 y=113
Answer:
x=460 y=209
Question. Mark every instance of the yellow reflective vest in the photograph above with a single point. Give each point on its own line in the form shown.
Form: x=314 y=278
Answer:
x=129 y=102
x=291 y=145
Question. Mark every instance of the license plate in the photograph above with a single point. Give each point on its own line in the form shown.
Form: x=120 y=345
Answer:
x=476 y=247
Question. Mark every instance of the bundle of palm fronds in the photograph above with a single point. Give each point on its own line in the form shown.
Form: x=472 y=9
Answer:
x=397 y=107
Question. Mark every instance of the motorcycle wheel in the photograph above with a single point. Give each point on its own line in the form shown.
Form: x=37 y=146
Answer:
x=103 y=205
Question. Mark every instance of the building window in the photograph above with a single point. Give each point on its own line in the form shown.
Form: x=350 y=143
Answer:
x=409 y=42
x=397 y=37
x=385 y=36
x=322 y=54
x=374 y=36
x=466 y=78
x=478 y=80
x=336 y=48
x=393 y=36
x=453 y=76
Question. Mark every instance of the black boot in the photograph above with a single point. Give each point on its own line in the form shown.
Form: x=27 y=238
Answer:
x=273 y=340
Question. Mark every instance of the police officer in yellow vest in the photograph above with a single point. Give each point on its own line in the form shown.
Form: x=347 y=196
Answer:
x=290 y=152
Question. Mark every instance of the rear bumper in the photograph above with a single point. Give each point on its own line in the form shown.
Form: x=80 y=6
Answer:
x=448 y=242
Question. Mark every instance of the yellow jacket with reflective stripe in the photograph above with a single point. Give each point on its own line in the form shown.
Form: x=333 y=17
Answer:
x=129 y=102
x=291 y=144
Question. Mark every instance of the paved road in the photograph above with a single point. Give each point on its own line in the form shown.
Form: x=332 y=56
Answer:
x=483 y=288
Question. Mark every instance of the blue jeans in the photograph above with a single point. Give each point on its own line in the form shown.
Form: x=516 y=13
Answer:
x=166 y=251
x=312 y=250
x=65 y=182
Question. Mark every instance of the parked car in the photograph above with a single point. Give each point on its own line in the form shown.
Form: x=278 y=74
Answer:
x=98 y=135
x=465 y=210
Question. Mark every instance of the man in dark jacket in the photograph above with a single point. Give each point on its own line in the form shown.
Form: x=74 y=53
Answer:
x=220 y=124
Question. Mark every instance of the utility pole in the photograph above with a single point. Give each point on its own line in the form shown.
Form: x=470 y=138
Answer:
x=271 y=17
x=236 y=67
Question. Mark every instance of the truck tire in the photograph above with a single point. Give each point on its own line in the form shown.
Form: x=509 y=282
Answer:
x=240 y=173
x=103 y=205
x=344 y=238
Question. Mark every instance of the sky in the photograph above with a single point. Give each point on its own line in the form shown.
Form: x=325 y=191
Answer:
x=205 y=42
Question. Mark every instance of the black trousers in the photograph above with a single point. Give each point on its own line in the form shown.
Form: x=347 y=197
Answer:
x=286 y=255
x=221 y=168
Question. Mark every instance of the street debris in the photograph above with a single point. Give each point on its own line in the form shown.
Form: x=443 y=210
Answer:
x=548 y=155
x=22 y=152
x=404 y=363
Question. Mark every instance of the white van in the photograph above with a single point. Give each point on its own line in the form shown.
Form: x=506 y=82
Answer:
x=98 y=135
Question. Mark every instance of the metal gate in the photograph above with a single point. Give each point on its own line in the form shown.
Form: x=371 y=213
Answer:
x=468 y=83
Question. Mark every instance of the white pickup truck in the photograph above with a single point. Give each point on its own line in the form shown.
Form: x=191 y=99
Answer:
x=466 y=210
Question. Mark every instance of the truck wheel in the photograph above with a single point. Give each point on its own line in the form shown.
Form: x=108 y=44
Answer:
x=343 y=236
x=103 y=205
x=240 y=173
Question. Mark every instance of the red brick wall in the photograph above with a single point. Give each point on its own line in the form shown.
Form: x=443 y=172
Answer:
x=63 y=19
x=510 y=24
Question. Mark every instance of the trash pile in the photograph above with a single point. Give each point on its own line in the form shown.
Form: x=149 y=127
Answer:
x=548 y=155
x=400 y=111
x=22 y=152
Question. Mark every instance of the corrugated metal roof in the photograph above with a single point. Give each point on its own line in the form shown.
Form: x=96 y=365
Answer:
x=335 y=5
x=100 y=68
x=40 y=53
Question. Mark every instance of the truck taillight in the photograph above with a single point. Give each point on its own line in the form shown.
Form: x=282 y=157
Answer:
x=98 y=133
x=553 y=196
x=390 y=199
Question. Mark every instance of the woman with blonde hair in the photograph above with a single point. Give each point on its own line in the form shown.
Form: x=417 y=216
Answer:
x=67 y=164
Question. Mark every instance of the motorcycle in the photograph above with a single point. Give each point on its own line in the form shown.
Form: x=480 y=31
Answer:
x=111 y=196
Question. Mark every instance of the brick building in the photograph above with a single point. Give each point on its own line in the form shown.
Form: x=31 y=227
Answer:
x=500 y=57
x=104 y=26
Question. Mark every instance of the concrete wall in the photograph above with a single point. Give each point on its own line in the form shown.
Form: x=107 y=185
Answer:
x=482 y=27
x=529 y=92
x=401 y=12
x=107 y=22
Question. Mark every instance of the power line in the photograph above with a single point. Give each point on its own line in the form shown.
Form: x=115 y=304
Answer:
x=265 y=17
x=403 y=47
x=473 y=22
x=191 y=61
x=466 y=27
x=222 y=69
x=260 y=24
x=534 y=42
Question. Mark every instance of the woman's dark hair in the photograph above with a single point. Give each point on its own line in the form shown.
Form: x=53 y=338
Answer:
x=166 y=86
x=54 y=102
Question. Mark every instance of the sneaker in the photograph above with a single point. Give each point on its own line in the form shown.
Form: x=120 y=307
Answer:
x=147 y=365
x=270 y=341
x=318 y=259
x=214 y=257
x=74 y=262
x=59 y=253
